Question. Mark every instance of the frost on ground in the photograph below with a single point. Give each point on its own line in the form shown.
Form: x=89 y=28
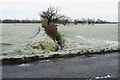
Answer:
x=77 y=39
x=37 y=46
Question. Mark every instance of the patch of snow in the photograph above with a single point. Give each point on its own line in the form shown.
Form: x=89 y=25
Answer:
x=93 y=57
x=22 y=65
x=108 y=76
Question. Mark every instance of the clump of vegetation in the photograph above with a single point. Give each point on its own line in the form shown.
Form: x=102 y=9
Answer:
x=51 y=30
x=6 y=44
x=49 y=18
x=59 y=39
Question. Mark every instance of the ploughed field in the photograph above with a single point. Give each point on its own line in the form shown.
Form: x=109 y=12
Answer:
x=17 y=40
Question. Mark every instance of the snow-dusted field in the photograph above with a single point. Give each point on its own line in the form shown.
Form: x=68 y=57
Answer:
x=78 y=39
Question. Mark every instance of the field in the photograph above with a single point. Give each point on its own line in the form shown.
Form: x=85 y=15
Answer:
x=15 y=39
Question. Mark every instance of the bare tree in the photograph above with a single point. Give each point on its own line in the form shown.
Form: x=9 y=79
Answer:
x=64 y=20
x=76 y=21
x=51 y=14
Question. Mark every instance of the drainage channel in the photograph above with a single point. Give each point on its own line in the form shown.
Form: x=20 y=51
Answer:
x=59 y=46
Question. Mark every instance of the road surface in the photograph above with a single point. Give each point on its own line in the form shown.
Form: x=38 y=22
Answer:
x=92 y=67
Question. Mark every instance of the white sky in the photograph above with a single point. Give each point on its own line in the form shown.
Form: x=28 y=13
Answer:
x=30 y=9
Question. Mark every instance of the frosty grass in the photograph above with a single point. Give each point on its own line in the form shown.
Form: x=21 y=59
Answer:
x=77 y=39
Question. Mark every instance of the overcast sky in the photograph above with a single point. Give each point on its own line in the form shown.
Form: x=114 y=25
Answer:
x=30 y=9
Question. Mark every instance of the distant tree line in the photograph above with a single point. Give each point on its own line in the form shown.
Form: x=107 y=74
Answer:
x=91 y=21
x=63 y=21
x=19 y=21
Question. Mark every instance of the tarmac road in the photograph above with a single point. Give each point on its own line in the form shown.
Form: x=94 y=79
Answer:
x=93 y=67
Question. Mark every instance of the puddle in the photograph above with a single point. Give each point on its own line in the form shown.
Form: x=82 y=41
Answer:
x=22 y=65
